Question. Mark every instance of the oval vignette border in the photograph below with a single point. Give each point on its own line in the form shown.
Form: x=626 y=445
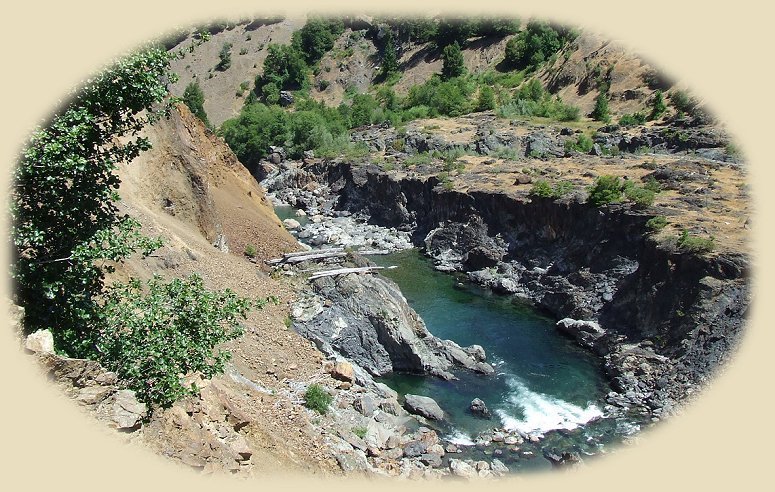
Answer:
x=49 y=49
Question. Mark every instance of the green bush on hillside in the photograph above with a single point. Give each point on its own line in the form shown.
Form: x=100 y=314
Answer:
x=607 y=189
x=194 y=98
x=317 y=398
x=535 y=44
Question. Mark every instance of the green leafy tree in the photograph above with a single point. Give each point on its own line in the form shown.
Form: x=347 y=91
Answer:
x=65 y=220
x=317 y=37
x=194 y=98
x=454 y=65
x=284 y=66
x=453 y=30
x=607 y=189
x=68 y=233
x=535 y=44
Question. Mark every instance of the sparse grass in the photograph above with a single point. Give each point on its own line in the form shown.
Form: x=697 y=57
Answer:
x=250 y=251
x=421 y=159
x=360 y=431
x=317 y=398
x=694 y=244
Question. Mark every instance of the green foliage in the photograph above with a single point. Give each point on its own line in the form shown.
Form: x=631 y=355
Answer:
x=420 y=159
x=694 y=244
x=582 y=144
x=453 y=61
x=65 y=221
x=284 y=66
x=441 y=97
x=360 y=431
x=535 y=44
x=684 y=103
x=607 y=189
x=194 y=98
x=542 y=188
x=633 y=119
x=176 y=333
x=642 y=197
x=656 y=223
x=486 y=100
x=453 y=30
x=495 y=26
x=224 y=58
x=67 y=234
x=533 y=100
x=601 y=113
x=317 y=37
x=389 y=58
x=658 y=106
x=250 y=251
x=653 y=185
x=317 y=398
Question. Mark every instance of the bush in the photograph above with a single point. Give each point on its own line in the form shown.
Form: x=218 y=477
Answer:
x=637 y=118
x=180 y=326
x=607 y=189
x=360 y=431
x=284 y=66
x=658 y=106
x=656 y=223
x=317 y=398
x=642 y=197
x=194 y=98
x=694 y=244
x=582 y=144
x=533 y=100
x=535 y=44
x=542 y=188
x=486 y=99
x=317 y=37
x=441 y=97
x=225 y=58
x=250 y=251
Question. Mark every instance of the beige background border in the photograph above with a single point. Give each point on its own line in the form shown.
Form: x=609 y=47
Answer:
x=723 y=53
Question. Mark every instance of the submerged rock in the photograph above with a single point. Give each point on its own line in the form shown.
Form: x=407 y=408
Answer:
x=479 y=408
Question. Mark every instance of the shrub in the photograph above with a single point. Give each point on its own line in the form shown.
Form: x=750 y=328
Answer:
x=633 y=119
x=441 y=97
x=533 y=100
x=542 y=188
x=535 y=44
x=658 y=106
x=194 y=98
x=317 y=398
x=284 y=66
x=453 y=61
x=642 y=197
x=317 y=37
x=360 y=431
x=250 y=251
x=486 y=99
x=694 y=244
x=224 y=57
x=423 y=158
x=180 y=326
x=582 y=144
x=389 y=58
x=656 y=223
x=607 y=189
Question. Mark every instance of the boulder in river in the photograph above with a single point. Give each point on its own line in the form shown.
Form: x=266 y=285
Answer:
x=425 y=406
x=479 y=408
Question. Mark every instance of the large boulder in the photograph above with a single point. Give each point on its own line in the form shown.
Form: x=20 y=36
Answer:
x=40 y=342
x=479 y=408
x=586 y=333
x=425 y=406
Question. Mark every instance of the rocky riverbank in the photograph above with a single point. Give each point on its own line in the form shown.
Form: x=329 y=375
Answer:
x=661 y=319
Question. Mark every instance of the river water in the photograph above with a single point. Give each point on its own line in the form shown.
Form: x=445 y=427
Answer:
x=544 y=383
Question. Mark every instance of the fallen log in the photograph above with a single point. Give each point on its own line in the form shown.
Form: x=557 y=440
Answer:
x=344 y=271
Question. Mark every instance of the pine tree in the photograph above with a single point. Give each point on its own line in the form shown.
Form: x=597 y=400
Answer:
x=453 y=61
x=600 y=113
x=194 y=98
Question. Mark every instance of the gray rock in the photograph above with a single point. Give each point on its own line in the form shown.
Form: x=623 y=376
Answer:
x=127 y=412
x=365 y=405
x=291 y=224
x=460 y=468
x=413 y=449
x=479 y=408
x=425 y=406
x=586 y=333
x=286 y=98
x=430 y=459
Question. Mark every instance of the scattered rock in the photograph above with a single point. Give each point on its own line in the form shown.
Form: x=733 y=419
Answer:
x=343 y=371
x=127 y=412
x=460 y=468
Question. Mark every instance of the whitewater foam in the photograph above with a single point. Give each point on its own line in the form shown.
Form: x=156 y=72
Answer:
x=460 y=438
x=542 y=413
